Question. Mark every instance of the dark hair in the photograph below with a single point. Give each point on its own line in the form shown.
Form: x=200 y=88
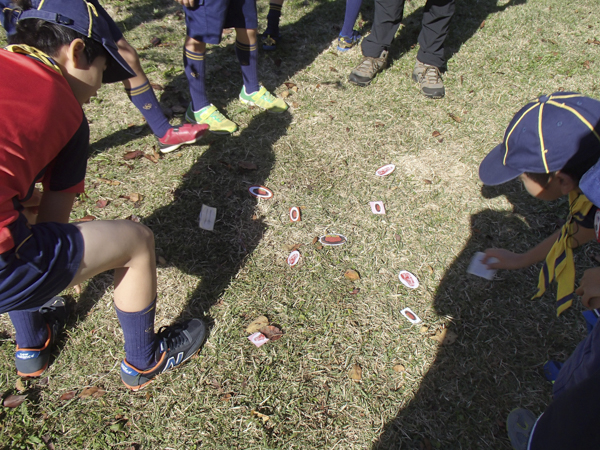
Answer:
x=50 y=37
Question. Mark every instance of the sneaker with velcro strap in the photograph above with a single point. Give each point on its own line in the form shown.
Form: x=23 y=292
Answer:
x=264 y=100
x=175 y=345
x=32 y=362
x=181 y=135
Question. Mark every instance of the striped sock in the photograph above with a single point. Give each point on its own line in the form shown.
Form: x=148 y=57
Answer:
x=273 y=19
x=144 y=99
x=352 y=10
x=194 y=71
x=138 y=332
x=31 y=328
x=248 y=57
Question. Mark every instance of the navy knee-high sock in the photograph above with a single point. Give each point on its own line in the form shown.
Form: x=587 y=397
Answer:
x=248 y=57
x=352 y=10
x=273 y=19
x=144 y=99
x=193 y=64
x=31 y=328
x=138 y=332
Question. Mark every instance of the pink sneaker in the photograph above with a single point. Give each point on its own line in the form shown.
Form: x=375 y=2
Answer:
x=181 y=135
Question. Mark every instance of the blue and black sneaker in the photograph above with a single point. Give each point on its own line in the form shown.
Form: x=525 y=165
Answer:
x=176 y=344
x=270 y=40
x=519 y=425
x=31 y=362
x=345 y=43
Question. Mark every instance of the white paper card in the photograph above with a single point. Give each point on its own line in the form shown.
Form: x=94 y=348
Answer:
x=208 y=215
x=478 y=268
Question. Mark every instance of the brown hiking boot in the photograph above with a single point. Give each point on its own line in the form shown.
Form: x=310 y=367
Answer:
x=367 y=69
x=430 y=79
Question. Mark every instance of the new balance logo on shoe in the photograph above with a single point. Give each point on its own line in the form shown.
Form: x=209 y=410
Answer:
x=172 y=362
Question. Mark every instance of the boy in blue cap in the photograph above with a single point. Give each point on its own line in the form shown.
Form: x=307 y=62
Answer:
x=553 y=145
x=138 y=88
x=60 y=54
x=205 y=21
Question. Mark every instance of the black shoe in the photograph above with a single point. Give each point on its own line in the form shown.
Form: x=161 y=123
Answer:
x=176 y=344
x=31 y=362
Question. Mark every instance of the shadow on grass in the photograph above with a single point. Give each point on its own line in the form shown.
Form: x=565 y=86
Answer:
x=502 y=339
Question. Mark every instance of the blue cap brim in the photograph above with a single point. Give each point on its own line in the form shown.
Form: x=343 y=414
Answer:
x=119 y=70
x=590 y=184
x=492 y=170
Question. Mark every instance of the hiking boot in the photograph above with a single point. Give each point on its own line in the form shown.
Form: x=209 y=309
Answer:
x=367 y=69
x=264 y=99
x=181 y=135
x=176 y=344
x=519 y=425
x=31 y=362
x=211 y=116
x=345 y=43
x=430 y=79
x=270 y=40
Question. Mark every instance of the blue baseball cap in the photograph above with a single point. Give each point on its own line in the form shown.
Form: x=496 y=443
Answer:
x=81 y=16
x=543 y=136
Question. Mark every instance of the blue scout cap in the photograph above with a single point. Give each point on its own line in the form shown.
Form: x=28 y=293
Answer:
x=543 y=136
x=81 y=16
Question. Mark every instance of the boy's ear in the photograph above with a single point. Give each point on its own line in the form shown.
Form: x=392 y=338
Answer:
x=566 y=182
x=76 y=54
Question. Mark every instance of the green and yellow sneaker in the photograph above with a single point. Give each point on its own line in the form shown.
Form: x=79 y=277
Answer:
x=211 y=116
x=264 y=99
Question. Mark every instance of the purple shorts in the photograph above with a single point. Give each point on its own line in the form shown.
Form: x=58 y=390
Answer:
x=43 y=263
x=206 y=21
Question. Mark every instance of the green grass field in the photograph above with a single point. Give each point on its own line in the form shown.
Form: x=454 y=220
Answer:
x=296 y=393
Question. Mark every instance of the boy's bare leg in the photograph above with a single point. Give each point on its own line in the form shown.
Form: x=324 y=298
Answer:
x=246 y=36
x=128 y=248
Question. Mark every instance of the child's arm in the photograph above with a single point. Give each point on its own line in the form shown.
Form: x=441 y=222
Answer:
x=55 y=207
x=510 y=260
x=589 y=288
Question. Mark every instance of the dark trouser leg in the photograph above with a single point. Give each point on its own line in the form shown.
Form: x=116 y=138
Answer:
x=386 y=20
x=436 y=22
x=572 y=421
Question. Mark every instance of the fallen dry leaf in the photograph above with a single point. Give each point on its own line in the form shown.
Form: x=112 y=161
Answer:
x=294 y=88
x=133 y=155
x=264 y=417
x=68 y=395
x=295 y=104
x=19 y=386
x=87 y=218
x=225 y=397
x=154 y=156
x=247 y=165
x=436 y=134
x=48 y=441
x=157 y=87
x=290 y=85
x=399 y=368
x=271 y=332
x=586 y=64
x=482 y=25
x=352 y=275
x=285 y=94
x=133 y=218
x=424 y=329
x=315 y=239
x=12 y=401
x=455 y=118
x=93 y=391
x=111 y=182
x=257 y=324
x=355 y=373
x=155 y=41
x=427 y=181
x=445 y=337
x=355 y=291
x=135 y=197
x=593 y=41
x=102 y=203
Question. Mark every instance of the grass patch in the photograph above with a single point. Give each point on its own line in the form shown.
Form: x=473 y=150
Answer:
x=322 y=156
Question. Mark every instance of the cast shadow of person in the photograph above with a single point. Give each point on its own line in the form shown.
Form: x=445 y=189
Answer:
x=502 y=337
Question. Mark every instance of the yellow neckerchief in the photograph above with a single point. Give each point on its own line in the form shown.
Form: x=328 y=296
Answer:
x=35 y=54
x=559 y=263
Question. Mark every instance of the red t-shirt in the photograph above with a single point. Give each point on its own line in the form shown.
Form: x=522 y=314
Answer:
x=44 y=137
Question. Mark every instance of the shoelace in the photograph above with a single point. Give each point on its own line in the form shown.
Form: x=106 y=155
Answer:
x=172 y=336
x=431 y=75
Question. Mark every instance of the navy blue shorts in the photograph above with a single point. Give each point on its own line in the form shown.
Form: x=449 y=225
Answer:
x=41 y=267
x=205 y=22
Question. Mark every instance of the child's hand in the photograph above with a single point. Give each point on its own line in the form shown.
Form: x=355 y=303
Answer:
x=187 y=3
x=589 y=288
x=506 y=259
